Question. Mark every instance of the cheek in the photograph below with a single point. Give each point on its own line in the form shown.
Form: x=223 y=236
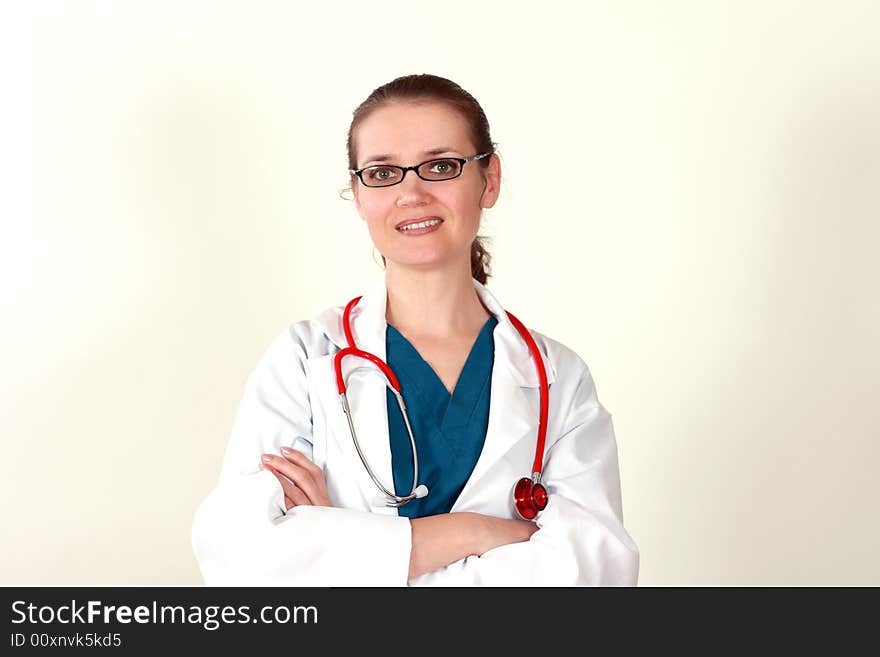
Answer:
x=377 y=225
x=461 y=203
x=467 y=201
x=374 y=213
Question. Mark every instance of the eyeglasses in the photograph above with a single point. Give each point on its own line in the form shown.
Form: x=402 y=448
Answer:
x=385 y=175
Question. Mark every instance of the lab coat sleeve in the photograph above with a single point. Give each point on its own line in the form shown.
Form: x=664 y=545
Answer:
x=581 y=539
x=241 y=533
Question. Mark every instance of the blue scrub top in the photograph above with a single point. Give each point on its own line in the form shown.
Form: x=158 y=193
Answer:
x=449 y=430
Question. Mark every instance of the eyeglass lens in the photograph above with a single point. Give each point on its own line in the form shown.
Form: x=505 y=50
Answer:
x=382 y=176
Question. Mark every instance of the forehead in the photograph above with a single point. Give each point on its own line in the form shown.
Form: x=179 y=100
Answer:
x=406 y=130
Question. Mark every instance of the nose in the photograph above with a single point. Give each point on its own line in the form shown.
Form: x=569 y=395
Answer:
x=412 y=191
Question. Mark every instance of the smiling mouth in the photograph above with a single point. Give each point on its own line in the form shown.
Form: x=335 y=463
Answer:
x=426 y=223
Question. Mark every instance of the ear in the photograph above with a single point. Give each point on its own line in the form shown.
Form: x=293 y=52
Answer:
x=492 y=174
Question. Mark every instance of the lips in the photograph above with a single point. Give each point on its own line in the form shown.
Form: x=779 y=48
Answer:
x=407 y=222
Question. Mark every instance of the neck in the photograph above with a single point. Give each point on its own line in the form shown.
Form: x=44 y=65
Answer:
x=433 y=304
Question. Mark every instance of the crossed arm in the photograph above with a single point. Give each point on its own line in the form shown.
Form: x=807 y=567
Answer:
x=240 y=535
x=437 y=540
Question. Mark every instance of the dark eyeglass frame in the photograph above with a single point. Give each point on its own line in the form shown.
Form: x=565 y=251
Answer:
x=403 y=170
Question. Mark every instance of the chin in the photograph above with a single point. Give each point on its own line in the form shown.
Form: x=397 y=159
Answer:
x=421 y=261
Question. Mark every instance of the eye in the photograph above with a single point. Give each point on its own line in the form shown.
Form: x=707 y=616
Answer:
x=442 y=166
x=381 y=174
x=442 y=169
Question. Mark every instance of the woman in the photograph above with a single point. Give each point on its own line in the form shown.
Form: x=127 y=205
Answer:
x=296 y=504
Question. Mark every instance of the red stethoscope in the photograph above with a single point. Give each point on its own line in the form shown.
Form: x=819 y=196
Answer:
x=529 y=494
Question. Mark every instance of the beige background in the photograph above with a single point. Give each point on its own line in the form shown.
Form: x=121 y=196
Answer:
x=690 y=201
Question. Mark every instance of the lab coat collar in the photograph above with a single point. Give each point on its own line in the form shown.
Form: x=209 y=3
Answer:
x=368 y=325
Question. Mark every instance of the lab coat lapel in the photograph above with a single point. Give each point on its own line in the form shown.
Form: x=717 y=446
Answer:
x=514 y=408
x=365 y=387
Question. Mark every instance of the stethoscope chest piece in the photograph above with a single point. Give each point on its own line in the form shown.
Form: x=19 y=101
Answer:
x=529 y=497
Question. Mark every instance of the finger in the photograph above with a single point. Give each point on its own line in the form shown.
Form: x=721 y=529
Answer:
x=291 y=504
x=300 y=459
x=294 y=494
x=291 y=490
x=318 y=494
x=299 y=475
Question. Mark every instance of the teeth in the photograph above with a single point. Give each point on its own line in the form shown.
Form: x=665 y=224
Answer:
x=421 y=224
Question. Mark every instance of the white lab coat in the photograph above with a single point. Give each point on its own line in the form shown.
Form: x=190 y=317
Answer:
x=242 y=534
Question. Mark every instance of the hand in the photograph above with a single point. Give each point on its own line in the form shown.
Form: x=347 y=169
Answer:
x=302 y=481
x=502 y=531
x=442 y=539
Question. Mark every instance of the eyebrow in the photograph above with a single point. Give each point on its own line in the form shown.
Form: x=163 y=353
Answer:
x=390 y=156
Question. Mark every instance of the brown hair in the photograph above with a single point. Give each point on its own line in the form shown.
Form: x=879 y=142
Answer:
x=426 y=87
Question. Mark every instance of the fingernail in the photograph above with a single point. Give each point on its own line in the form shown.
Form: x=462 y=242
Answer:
x=286 y=450
x=267 y=458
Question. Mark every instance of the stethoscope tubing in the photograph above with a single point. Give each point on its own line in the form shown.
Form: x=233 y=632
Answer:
x=398 y=500
x=538 y=465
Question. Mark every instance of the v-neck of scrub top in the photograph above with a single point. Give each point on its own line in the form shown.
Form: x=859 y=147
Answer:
x=449 y=429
